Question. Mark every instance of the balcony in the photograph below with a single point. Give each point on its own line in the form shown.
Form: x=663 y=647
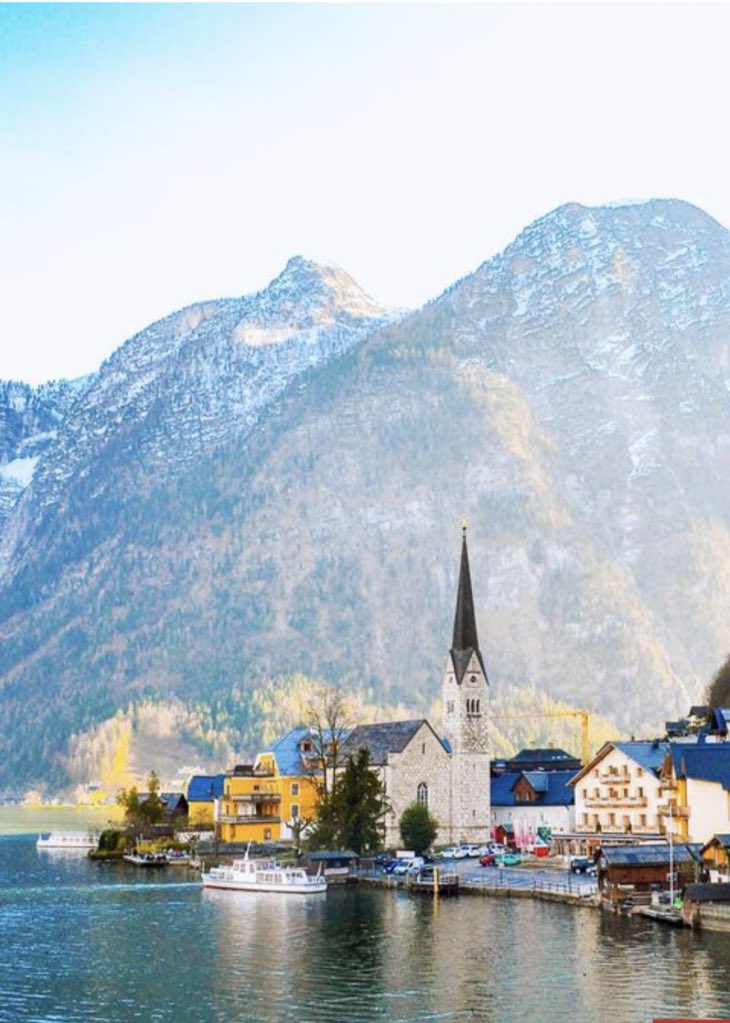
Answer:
x=609 y=801
x=677 y=811
x=621 y=778
x=255 y=797
x=244 y=818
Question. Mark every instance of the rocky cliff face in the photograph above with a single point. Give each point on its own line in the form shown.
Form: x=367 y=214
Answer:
x=29 y=421
x=274 y=484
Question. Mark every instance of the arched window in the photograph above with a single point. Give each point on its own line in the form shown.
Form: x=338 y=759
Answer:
x=422 y=794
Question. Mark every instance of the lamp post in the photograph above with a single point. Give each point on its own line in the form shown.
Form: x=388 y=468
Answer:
x=671 y=858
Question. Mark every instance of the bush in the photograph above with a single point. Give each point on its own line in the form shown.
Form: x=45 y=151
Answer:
x=418 y=829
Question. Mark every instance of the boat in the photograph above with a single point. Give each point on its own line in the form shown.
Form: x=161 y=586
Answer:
x=146 y=859
x=68 y=840
x=253 y=875
x=176 y=857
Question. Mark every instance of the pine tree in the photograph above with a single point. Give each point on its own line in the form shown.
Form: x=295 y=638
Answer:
x=352 y=814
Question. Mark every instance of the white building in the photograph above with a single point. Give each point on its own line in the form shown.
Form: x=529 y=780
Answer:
x=617 y=797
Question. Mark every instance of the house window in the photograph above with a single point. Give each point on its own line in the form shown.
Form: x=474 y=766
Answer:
x=294 y=811
x=585 y=793
x=640 y=791
x=449 y=706
x=422 y=794
x=267 y=834
x=295 y=788
x=640 y=772
x=642 y=820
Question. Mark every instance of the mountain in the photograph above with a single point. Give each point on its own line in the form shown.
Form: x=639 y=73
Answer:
x=255 y=487
x=29 y=420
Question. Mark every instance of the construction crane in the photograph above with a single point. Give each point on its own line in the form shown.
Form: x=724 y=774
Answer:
x=582 y=715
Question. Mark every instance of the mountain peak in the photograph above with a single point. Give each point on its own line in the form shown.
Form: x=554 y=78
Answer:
x=322 y=286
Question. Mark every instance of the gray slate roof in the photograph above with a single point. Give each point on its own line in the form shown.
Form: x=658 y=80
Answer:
x=381 y=739
x=465 y=641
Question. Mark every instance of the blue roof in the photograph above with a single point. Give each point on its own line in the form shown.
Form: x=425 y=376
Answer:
x=287 y=752
x=707 y=761
x=553 y=788
x=203 y=788
x=649 y=755
x=720 y=720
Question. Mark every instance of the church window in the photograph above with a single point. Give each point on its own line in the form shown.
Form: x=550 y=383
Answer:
x=422 y=794
x=423 y=747
x=473 y=679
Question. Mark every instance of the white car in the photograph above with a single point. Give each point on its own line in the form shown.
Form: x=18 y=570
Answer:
x=449 y=853
x=405 y=866
x=473 y=850
x=461 y=852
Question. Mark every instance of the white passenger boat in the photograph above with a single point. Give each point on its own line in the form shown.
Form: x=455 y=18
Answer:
x=252 y=875
x=68 y=840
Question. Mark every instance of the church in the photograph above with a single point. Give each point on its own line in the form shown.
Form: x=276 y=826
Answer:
x=446 y=769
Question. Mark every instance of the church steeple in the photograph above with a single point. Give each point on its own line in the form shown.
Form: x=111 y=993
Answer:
x=465 y=642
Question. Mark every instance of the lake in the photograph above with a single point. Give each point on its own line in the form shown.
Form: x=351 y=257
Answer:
x=82 y=942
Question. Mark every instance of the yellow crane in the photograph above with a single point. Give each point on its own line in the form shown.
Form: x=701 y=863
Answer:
x=582 y=715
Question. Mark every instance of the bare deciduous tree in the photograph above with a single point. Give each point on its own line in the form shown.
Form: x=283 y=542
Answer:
x=329 y=717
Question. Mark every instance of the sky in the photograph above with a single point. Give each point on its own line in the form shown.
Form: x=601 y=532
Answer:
x=155 y=155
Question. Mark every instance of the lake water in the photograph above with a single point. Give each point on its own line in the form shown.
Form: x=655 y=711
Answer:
x=82 y=942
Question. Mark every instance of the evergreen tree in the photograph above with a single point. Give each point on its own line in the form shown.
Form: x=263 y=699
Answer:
x=351 y=815
x=418 y=828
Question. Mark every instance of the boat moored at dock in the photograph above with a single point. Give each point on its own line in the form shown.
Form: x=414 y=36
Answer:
x=146 y=859
x=256 y=875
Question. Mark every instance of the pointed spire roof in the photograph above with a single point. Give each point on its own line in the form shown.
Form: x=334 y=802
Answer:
x=465 y=641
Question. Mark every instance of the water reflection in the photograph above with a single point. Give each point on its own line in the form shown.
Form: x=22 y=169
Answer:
x=82 y=942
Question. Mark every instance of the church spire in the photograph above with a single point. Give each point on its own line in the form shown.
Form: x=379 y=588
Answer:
x=465 y=641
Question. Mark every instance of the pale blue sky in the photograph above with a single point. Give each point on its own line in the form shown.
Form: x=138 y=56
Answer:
x=156 y=155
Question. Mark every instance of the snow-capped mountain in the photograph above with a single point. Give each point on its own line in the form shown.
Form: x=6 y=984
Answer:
x=29 y=420
x=191 y=382
x=257 y=486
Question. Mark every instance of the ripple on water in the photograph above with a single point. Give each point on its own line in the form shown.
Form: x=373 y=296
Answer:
x=82 y=944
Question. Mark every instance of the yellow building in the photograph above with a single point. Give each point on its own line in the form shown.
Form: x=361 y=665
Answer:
x=261 y=802
x=202 y=792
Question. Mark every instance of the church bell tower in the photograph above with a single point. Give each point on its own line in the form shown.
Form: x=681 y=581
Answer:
x=465 y=693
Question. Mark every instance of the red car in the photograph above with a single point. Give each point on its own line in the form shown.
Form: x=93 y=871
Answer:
x=488 y=861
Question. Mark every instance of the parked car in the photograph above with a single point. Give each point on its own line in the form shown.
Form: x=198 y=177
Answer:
x=582 y=865
x=472 y=851
x=403 y=867
x=461 y=852
x=488 y=860
x=449 y=853
x=508 y=859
